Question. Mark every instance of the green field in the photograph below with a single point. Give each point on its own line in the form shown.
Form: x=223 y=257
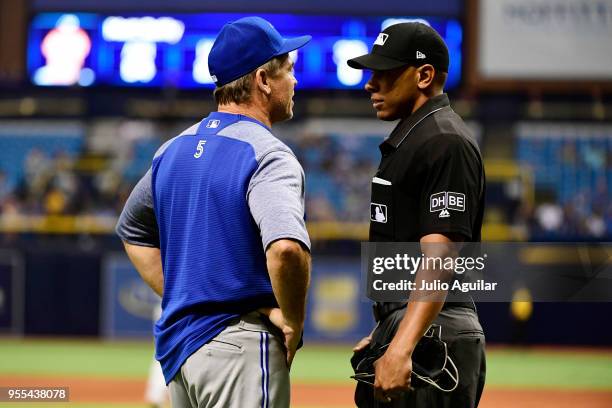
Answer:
x=524 y=368
x=521 y=368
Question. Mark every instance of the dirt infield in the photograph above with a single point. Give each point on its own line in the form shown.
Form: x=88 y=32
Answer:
x=130 y=391
x=511 y=398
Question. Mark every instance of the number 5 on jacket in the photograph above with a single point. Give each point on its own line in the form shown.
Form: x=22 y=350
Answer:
x=199 y=149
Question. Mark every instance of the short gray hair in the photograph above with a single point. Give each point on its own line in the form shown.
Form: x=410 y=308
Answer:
x=239 y=90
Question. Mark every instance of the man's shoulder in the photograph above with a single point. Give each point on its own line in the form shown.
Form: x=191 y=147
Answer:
x=260 y=138
x=448 y=144
x=448 y=123
x=190 y=131
x=444 y=131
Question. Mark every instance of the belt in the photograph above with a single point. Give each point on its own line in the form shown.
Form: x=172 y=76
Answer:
x=382 y=310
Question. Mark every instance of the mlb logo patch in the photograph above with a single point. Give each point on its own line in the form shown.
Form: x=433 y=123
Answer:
x=213 y=123
x=381 y=39
x=378 y=213
x=446 y=200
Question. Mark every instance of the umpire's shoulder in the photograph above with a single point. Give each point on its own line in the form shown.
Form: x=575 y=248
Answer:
x=446 y=145
x=259 y=137
x=450 y=129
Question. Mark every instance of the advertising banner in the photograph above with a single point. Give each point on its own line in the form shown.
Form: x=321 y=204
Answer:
x=336 y=309
x=128 y=304
x=545 y=39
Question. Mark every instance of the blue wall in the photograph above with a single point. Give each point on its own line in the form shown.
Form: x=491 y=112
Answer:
x=94 y=291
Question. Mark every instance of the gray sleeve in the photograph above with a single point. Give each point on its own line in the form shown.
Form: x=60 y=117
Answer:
x=137 y=224
x=276 y=198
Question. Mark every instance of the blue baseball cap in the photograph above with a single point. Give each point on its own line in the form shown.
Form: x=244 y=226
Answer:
x=246 y=44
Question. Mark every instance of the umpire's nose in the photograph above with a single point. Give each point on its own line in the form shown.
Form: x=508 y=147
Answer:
x=371 y=86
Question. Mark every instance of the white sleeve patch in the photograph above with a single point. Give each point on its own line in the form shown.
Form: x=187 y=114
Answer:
x=446 y=200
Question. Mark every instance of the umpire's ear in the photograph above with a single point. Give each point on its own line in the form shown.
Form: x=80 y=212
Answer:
x=262 y=81
x=425 y=76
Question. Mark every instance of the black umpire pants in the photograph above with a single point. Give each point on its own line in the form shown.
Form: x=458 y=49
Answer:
x=464 y=337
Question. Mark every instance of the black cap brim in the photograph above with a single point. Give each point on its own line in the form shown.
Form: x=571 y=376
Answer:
x=375 y=62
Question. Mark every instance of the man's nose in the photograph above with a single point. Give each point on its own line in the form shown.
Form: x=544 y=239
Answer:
x=370 y=86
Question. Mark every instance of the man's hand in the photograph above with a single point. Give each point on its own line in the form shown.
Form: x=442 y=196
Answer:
x=288 y=264
x=393 y=371
x=394 y=368
x=291 y=334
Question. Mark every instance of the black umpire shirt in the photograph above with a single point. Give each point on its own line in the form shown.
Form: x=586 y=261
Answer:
x=430 y=179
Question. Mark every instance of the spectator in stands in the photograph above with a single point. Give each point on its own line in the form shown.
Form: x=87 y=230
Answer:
x=549 y=216
x=64 y=180
x=55 y=202
x=37 y=170
x=6 y=188
x=319 y=208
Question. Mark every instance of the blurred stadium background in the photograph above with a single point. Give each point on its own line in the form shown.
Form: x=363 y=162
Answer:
x=89 y=91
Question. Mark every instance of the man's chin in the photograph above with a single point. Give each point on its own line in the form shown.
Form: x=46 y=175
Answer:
x=286 y=117
x=384 y=115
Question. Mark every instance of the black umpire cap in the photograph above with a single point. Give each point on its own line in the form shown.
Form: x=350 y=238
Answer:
x=404 y=44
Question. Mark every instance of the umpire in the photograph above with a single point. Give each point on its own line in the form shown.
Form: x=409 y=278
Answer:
x=216 y=227
x=429 y=155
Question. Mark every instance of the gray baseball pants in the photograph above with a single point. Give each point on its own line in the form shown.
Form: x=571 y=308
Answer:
x=243 y=367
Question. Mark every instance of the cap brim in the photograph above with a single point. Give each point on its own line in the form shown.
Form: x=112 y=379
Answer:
x=291 y=44
x=375 y=62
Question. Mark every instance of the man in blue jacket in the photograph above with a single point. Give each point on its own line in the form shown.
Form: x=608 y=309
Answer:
x=216 y=227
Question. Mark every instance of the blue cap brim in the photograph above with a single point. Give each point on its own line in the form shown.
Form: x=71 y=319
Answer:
x=292 y=44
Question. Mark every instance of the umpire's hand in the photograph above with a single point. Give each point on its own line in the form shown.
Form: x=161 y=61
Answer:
x=363 y=343
x=393 y=371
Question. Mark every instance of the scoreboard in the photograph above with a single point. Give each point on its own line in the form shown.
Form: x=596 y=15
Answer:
x=171 y=50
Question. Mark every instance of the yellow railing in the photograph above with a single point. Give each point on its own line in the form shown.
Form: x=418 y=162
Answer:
x=57 y=224
x=64 y=224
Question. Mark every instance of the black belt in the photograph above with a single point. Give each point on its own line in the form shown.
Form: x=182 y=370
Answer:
x=383 y=309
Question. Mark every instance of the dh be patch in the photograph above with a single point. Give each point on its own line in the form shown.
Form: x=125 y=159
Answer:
x=378 y=213
x=446 y=200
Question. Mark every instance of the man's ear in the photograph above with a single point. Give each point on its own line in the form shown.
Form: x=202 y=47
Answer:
x=426 y=76
x=262 y=81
